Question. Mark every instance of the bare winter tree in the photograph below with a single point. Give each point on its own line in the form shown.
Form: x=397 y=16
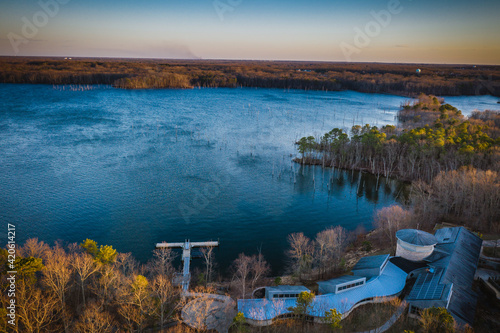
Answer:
x=322 y=242
x=242 y=271
x=131 y=315
x=94 y=320
x=259 y=268
x=126 y=263
x=108 y=281
x=339 y=242
x=34 y=248
x=84 y=266
x=162 y=262
x=136 y=302
x=330 y=244
x=471 y=196
x=57 y=276
x=34 y=308
x=391 y=219
x=166 y=294
x=209 y=258
x=300 y=252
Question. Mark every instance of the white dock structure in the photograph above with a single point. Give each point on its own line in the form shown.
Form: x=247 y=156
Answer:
x=184 y=278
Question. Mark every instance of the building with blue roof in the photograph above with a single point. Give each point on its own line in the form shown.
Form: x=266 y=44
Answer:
x=389 y=282
x=340 y=284
x=447 y=282
x=284 y=291
x=443 y=279
x=371 y=265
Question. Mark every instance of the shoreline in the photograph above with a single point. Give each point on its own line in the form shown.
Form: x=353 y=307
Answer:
x=365 y=170
x=381 y=78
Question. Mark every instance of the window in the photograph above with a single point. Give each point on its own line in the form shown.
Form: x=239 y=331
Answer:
x=287 y=295
x=351 y=285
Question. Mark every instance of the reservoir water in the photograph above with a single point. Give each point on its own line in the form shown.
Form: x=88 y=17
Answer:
x=131 y=168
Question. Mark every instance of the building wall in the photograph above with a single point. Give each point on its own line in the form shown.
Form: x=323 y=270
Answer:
x=329 y=288
x=413 y=252
x=283 y=293
x=367 y=271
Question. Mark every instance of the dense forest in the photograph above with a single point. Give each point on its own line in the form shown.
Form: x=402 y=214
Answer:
x=90 y=288
x=86 y=288
x=453 y=161
x=400 y=79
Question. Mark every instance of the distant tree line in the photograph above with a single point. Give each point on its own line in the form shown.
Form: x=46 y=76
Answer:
x=397 y=79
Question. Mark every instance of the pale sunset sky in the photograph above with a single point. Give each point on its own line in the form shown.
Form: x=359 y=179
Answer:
x=424 y=31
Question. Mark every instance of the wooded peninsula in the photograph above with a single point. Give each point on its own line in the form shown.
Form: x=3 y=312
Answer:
x=398 y=79
x=452 y=161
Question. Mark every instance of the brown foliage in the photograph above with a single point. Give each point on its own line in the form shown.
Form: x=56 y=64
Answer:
x=300 y=252
x=57 y=277
x=94 y=320
x=467 y=195
x=36 y=309
x=147 y=73
x=391 y=219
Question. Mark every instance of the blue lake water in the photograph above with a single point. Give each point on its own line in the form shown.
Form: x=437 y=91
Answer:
x=131 y=168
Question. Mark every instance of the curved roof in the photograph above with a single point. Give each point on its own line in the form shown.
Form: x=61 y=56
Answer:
x=390 y=282
x=416 y=237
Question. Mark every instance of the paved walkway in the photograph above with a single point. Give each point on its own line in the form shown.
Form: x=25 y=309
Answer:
x=491 y=243
x=485 y=275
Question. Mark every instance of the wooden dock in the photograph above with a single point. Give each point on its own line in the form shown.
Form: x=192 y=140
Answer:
x=184 y=278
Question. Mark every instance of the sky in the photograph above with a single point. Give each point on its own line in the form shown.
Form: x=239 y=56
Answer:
x=403 y=31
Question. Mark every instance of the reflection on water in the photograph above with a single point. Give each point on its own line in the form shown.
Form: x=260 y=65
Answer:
x=133 y=168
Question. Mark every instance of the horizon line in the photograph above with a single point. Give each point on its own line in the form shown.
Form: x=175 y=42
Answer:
x=247 y=60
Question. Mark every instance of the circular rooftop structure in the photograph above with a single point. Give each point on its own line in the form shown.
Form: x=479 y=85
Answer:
x=416 y=237
x=414 y=244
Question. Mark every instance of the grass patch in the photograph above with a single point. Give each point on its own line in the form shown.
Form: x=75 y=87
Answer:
x=404 y=323
x=368 y=316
